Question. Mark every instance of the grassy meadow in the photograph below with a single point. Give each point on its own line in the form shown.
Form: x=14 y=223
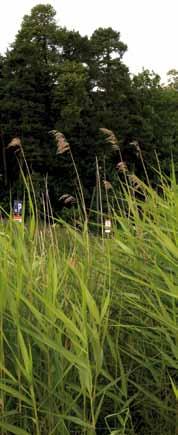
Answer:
x=89 y=333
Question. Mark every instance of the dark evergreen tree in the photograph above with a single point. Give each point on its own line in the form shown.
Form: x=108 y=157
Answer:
x=55 y=79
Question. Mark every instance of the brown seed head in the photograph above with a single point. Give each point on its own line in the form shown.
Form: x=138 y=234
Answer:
x=122 y=167
x=136 y=183
x=67 y=199
x=111 y=138
x=107 y=184
x=136 y=145
x=62 y=144
x=15 y=142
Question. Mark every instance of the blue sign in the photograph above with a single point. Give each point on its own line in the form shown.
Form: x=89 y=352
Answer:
x=17 y=207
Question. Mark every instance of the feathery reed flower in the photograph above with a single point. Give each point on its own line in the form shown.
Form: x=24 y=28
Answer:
x=122 y=167
x=111 y=138
x=107 y=184
x=62 y=144
x=136 y=183
x=67 y=199
x=15 y=142
x=137 y=147
x=135 y=144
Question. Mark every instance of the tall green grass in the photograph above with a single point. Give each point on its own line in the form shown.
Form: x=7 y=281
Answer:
x=89 y=325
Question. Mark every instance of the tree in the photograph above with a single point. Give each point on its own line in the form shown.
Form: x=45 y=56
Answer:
x=153 y=121
x=52 y=78
x=107 y=51
x=28 y=77
x=173 y=78
x=110 y=79
x=44 y=86
x=74 y=46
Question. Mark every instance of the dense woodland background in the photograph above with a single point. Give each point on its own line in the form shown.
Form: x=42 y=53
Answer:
x=55 y=79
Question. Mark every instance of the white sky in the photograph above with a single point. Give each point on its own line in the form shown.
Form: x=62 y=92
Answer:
x=148 y=27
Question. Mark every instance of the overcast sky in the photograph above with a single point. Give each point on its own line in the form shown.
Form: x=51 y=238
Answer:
x=148 y=27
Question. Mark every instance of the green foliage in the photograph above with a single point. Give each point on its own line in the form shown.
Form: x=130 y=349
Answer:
x=89 y=325
x=53 y=78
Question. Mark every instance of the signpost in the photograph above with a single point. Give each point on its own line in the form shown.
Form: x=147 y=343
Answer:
x=17 y=211
x=107 y=226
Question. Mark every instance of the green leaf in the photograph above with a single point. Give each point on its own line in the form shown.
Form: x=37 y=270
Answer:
x=175 y=389
x=105 y=306
x=14 y=393
x=13 y=429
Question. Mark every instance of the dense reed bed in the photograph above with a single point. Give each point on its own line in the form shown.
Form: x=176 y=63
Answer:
x=88 y=324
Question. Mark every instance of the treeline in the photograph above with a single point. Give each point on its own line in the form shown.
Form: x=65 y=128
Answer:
x=55 y=79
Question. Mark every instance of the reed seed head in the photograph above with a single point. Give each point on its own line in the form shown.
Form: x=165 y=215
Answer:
x=107 y=184
x=15 y=142
x=136 y=183
x=62 y=144
x=111 y=138
x=122 y=167
x=67 y=199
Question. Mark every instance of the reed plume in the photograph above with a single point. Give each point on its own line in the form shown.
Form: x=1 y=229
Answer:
x=15 y=142
x=122 y=167
x=67 y=199
x=107 y=184
x=111 y=138
x=62 y=144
